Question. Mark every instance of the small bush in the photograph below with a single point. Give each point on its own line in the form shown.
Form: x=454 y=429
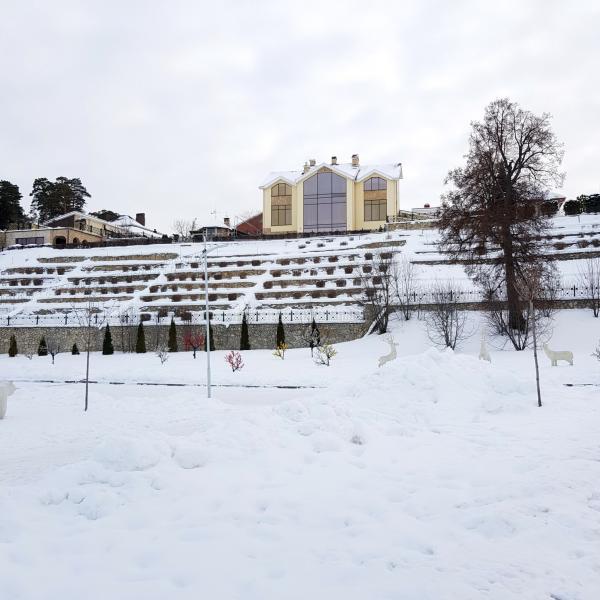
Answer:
x=234 y=360
x=74 y=350
x=280 y=350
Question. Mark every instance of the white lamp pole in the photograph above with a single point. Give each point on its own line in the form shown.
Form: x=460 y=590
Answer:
x=207 y=318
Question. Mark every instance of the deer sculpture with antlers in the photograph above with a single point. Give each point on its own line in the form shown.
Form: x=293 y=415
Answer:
x=391 y=355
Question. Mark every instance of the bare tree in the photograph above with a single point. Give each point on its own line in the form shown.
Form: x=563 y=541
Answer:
x=162 y=352
x=532 y=304
x=404 y=284
x=90 y=317
x=513 y=160
x=589 y=279
x=447 y=324
x=184 y=227
x=376 y=289
x=53 y=345
x=127 y=331
x=325 y=352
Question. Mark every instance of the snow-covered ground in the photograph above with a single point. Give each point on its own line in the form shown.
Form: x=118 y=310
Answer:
x=434 y=477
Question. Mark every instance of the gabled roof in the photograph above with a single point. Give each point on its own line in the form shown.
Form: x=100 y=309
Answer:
x=391 y=171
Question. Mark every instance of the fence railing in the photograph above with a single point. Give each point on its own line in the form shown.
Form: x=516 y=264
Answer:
x=217 y=317
x=570 y=292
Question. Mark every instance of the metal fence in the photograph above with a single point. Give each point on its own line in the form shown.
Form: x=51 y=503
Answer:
x=217 y=317
x=570 y=292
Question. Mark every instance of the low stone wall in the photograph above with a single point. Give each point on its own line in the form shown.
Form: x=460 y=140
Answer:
x=225 y=337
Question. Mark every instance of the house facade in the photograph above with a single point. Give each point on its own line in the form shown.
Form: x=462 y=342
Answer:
x=331 y=196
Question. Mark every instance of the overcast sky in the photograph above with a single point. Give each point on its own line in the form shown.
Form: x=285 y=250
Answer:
x=180 y=108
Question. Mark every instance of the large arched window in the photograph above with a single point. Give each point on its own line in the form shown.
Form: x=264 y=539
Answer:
x=281 y=204
x=325 y=202
x=375 y=189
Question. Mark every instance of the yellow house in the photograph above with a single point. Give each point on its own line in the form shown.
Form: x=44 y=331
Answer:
x=330 y=197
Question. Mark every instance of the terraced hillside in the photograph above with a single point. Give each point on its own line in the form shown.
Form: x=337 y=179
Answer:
x=269 y=276
x=169 y=279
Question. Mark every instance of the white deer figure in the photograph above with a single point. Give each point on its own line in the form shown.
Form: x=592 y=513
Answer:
x=483 y=351
x=6 y=389
x=556 y=355
x=391 y=354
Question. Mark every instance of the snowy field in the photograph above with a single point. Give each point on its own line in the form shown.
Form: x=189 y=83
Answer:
x=434 y=477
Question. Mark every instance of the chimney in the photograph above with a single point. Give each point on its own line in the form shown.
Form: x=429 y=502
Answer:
x=312 y=162
x=334 y=160
x=355 y=162
x=141 y=218
x=226 y=221
x=306 y=168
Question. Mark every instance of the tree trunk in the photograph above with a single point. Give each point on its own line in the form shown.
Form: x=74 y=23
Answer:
x=515 y=316
x=535 y=356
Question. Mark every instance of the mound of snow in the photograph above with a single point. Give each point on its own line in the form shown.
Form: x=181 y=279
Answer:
x=130 y=454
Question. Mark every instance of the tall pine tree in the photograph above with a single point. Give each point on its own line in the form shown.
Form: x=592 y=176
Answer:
x=107 y=345
x=140 y=343
x=280 y=333
x=244 y=337
x=172 y=336
x=11 y=212
x=54 y=198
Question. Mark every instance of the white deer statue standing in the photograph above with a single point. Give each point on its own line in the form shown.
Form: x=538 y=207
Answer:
x=483 y=351
x=391 y=355
x=556 y=355
x=6 y=389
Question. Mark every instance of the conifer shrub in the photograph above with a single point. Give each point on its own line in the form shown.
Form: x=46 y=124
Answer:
x=244 y=337
x=42 y=347
x=280 y=336
x=172 y=345
x=74 y=350
x=140 y=342
x=12 y=346
x=107 y=345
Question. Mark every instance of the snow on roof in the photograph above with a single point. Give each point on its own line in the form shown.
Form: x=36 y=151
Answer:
x=127 y=222
x=212 y=220
x=357 y=173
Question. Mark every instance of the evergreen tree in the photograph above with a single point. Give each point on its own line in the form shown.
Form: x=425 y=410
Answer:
x=212 y=338
x=280 y=333
x=11 y=212
x=172 y=336
x=12 y=346
x=74 y=350
x=107 y=345
x=43 y=347
x=140 y=343
x=315 y=336
x=54 y=198
x=244 y=337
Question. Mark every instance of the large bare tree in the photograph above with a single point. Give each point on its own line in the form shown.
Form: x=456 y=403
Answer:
x=489 y=218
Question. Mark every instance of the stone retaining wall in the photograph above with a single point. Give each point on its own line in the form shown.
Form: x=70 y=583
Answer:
x=225 y=337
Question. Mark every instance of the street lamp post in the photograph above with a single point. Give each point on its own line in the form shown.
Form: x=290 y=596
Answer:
x=207 y=319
